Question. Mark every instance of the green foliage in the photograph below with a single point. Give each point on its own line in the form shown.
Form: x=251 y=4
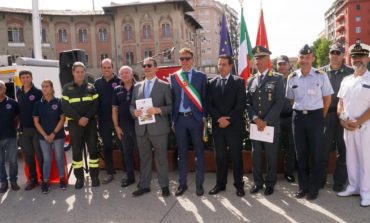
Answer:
x=321 y=50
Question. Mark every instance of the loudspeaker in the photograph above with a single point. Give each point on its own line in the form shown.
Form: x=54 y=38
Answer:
x=66 y=60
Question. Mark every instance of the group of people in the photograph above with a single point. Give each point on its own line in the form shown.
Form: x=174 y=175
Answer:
x=299 y=106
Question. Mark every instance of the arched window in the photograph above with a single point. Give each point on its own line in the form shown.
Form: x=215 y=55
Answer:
x=167 y=55
x=82 y=35
x=62 y=35
x=103 y=34
x=15 y=35
x=146 y=31
x=166 y=30
x=129 y=58
x=148 y=53
x=43 y=36
x=128 y=32
x=103 y=56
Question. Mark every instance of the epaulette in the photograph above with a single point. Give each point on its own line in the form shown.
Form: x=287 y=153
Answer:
x=292 y=75
x=318 y=71
x=270 y=73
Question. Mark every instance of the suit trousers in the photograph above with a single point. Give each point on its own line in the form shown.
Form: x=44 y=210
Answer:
x=358 y=163
x=30 y=145
x=334 y=140
x=308 y=131
x=271 y=151
x=229 y=144
x=185 y=126
x=146 y=145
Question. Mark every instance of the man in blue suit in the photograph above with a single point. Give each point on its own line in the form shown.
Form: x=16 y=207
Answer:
x=188 y=116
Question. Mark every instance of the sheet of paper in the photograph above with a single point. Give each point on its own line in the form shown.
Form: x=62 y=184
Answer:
x=144 y=105
x=267 y=135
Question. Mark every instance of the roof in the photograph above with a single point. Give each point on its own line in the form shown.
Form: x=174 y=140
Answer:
x=187 y=7
x=54 y=12
x=192 y=21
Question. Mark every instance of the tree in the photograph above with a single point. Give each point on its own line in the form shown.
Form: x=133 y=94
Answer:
x=321 y=49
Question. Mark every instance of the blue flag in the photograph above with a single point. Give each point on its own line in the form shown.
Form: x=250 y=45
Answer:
x=225 y=44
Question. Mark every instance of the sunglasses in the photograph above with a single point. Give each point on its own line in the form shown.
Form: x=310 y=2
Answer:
x=147 y=65
x=335 y=53
x=185 y=58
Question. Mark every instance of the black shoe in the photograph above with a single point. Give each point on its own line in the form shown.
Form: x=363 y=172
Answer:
x=301 y=194
x=45 y=187
x=240 y=192
x=268 y=191
x=95 y=182
x=181 y=190
x=289 y=177
x=79 y=183
x=165 y=192
x=126 y=182
x=4 y=187
x=199 y=190
x=311 y=196
x=140 y=192
x=31 y=184
x=108 y=179
x=255 y=189
x=216 y=190
x=338 y=187
x=14 y=186
x=62 y=184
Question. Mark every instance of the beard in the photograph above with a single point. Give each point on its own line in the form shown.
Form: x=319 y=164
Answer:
x=358 y=65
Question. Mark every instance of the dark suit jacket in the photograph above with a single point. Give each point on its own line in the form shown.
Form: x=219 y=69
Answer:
x=162 y=98
x=199 y=82
x=231 y=103
x=266 y=100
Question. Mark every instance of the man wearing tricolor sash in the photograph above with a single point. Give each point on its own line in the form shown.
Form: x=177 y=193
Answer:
x=188 y=115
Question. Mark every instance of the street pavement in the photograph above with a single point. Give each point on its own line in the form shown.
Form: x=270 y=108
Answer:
x=111 y=203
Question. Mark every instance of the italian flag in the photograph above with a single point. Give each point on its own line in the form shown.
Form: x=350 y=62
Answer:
x=245 y=51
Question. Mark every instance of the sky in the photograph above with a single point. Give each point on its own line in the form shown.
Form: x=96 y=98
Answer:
x=290 y=24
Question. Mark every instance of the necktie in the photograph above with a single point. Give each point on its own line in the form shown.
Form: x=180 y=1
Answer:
x=147 y=89
x=186 y=101
x=223 y=84
x=260 y=79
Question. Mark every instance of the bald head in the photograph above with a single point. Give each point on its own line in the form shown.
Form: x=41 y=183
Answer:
x=107 y=68
x=2 y=90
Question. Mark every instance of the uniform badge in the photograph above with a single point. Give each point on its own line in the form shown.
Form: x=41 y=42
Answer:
x=70 y=88
x=31 y=97
x=269 y=96
x=8 y=106
x=54 y=107
x=114 y=85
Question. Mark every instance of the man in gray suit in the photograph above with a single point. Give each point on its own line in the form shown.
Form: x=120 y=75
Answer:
x=265 y=100
x=152 y=136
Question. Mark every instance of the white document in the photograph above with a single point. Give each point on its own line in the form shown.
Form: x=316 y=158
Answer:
x=267 y=135
x=144 y=105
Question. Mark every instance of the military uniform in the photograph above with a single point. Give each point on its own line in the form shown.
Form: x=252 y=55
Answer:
x=355 y=97
x=265 y=99
x=333 y=129
x=307 y=92
x=77 y=102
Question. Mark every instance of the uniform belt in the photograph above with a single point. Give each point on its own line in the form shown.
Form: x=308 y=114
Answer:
x=307 y=112
x=332 y=110
x=286 y=115
x=186 y=113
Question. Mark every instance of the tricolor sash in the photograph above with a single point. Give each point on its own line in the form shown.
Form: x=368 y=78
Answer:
x=189 y=89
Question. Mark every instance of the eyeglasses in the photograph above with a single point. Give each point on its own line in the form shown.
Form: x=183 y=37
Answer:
x=185 y=58
x=335 y=53
x=147 y=65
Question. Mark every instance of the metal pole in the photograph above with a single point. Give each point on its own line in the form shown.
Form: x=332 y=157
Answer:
x=36 y=23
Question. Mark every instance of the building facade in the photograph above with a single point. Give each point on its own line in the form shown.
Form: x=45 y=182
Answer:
x=127 y=33
x=209 y=14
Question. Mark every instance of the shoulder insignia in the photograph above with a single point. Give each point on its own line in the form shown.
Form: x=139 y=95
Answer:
x=318 y=71
x=270 y=73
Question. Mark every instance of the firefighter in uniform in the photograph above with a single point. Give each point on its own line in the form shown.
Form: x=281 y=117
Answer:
x=80 y=105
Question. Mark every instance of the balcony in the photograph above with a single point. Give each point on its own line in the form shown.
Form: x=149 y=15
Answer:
x=339 y=17
x=340 y=27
